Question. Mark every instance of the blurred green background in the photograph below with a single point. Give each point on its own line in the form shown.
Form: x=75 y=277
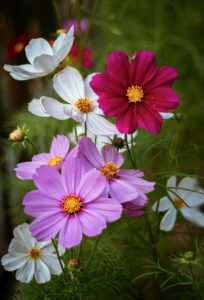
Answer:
x=173 y=29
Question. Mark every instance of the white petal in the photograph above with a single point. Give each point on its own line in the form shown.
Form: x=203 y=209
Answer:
x=54 y=108
x=25 y=274
x=69 y=85
x=36 y=108
x=194 y=199
x=45 y=63
x=168 y=220
x=74 y=114
x=193 y=215
x=52 y=263
x=19 y=247
x=166 y=116
x=37 y=47
x=23 y=233
x=88 y=90
x=41 y=273
x=48 y=248
x=186 y=183
x=98 y=125
x=171 y=183
x=23 y=72
x=11 y=263
x=63 y=44
x=164 y=204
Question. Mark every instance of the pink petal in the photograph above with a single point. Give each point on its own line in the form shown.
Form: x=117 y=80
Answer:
x=108 y=208
x=110 y=154
x=149 y=118
x=47 y=226
x=91 y=222
x=48 y=180
x=37 y=203
x=92 y=186
x=60 y=146
x=27 y=170
x=165 y=76
x=71 y=232
x=42 y=157
x=113 y=105
x=143 y=67
x=101 y=83
x=73 y=171
x=118 y=68
x=162 y=99
x=122 y=191
x=127 y=122
x=89 y=152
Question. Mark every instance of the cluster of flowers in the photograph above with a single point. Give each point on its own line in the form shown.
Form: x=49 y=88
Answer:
x=79 y=191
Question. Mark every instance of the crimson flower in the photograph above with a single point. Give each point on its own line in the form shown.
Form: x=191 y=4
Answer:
x=135 y=91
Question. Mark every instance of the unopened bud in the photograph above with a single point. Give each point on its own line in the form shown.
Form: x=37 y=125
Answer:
x=178 y=117
x=59 y=31
x=17 y=135
x=118 y=143
x=189 y=255
x=73 y=263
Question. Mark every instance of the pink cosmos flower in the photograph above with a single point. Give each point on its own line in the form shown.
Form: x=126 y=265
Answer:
x=133 y=208
x=135 y=91
x=71 y=203
x=122 y=185
x=58 y=152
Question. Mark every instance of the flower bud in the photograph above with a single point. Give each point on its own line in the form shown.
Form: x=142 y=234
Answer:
x=17 y=135
x=178 y=117
x=73 y=263
x=59 y=31
x=118 y=143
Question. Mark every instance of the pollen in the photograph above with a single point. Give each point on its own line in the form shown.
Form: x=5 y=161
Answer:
x=135 y=93
x=18 y=47
x=84 y=105
x=55 y=161
x=72 y=204
x=34 y=253
x=179 y=202
x=109 y=170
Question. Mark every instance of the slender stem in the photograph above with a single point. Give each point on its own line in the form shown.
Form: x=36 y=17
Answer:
x=76 y=135
x=85 y=129
x=31 y=143
x=139 y=236
x=80 y=248
x=129 y=152
x=59 y=259
x=151 y=237
x=92 y=254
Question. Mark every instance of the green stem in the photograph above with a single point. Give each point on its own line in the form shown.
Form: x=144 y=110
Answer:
x=31 y=143
x=85 y=129
x=80 y=248
x=129 y=152
x=151 y=237
x=92 y=254
x=76 y=135
x=59 y=259
x=139 y=236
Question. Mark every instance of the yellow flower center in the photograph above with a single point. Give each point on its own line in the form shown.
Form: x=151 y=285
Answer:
x=72 y=204
x=18 y=47
x=55 y=161
x=135 y=93
x=34 y=253
x=84 y=105
x=179 y=202
x=109 y=170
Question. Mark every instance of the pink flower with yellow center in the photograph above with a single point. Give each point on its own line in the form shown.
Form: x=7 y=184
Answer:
x=69 y=204
x=56 y=157
x=135 y=91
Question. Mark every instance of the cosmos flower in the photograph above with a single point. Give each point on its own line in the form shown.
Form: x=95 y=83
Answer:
x=82 y=107
x=58 y=152
x=17 y=45
x=71 y=203
x=122 y=185
x=43 y=58
x=185 y=197
x=136 y=91
x=134 y=208
x=31 y=257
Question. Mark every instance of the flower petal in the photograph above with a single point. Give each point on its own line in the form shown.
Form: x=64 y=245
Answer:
x=60 y=146
x=110 y=154
x=63 y=44
x=46 y=63
x=54 y=108
x=193 y=215
x=99 y=125
x=122 y=191
x=91 y=222
x=36 y=108
x=12 y=263
x=52 y=263
x=127 y=122
x=90 y=153
x=71 y=233
x=168 y=220
x=41 y=272
x=37 y=47
x=162 y=205
x=27 y=170
x=25 y=273
x=149 y=118
x=165 y=76
x=69 y=85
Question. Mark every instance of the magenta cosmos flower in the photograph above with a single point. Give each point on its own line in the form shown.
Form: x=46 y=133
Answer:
x=71 y=203
x=122 y=185
x=135 y=91
x=58 y=152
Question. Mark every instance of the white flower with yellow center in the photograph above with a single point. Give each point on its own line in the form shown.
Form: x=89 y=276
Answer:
x=186 y=197
x=30 y=257
x=82 y=105
x=43 y=59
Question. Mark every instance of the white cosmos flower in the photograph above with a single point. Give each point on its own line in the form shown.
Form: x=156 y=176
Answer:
x=187 y=198
x=43 y=59
x=30 y=257
x=82 y=105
